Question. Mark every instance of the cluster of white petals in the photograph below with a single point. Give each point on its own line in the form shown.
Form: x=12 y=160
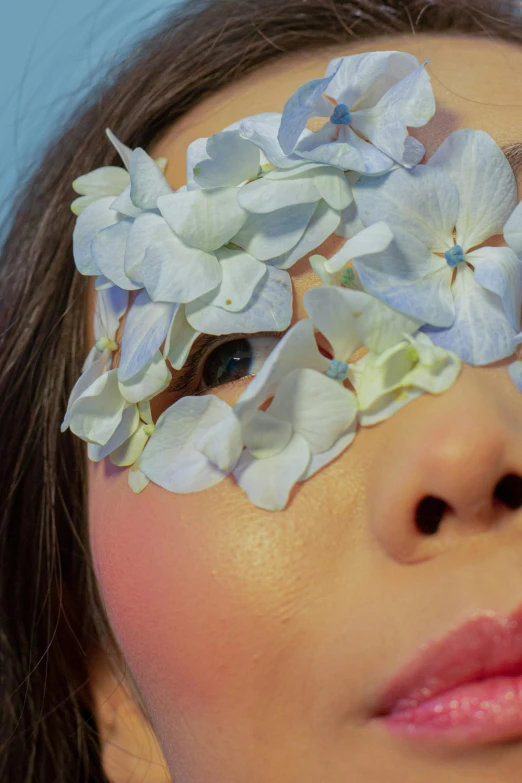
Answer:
x=429 y=275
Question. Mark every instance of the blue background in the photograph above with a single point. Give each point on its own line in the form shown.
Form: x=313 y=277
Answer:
x=48 y=50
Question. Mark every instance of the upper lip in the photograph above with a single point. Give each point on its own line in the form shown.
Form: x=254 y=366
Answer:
x=488 y=645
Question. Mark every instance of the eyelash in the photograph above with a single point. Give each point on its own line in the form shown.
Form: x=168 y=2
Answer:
x=191 y=373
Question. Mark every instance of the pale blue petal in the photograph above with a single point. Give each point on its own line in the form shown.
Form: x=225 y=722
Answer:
x=144 y=230
x=241 y=274
x=268 y=482
x=148 y=182
x=98 y=410
x=123 y=151
x=180 y=338
x=124 y=206
x=108 y=250
x=152 y=379
x=333 y=187
x=269 y=309
x=196 y=153
x=481 y=333
x=146 y=327
x=206 y=219
x=323 y=224
x=408 y=103
x=485 y=182
x=176 y=272
x=103 y=181
x=93 y=219
x=130 y=421
x=424 y=202
x=515 y=373
x=231 y=160
x=91 y=371
x=373 y=239
x=269 y=236
x=222 y=444
x=93 y=355
x=362 y=79
x=513 y=230
x=387 y=406
x=261 y=130
x=319 y=461
x=500 y=271
x=101 y=283
x=170 y=458
x=407 y=277
x=306 y=102
x=331 y=315
x=111 y=304
x=265 y=436
x=318 y=408
x=268 y=195
x=322 y=147
x=350 y=223
x=129 y=451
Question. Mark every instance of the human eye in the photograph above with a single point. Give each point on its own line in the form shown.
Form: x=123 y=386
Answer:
x=219 y=361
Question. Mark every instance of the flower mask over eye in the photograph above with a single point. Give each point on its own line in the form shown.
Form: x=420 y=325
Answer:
x=417 y=287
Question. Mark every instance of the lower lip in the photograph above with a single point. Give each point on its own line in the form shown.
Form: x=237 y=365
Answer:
x=479 y=712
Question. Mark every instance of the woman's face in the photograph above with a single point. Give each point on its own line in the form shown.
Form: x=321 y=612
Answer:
x=261 y=640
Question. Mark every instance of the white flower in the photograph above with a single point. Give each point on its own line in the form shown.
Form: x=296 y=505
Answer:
x=370 y=100
x=440 y=213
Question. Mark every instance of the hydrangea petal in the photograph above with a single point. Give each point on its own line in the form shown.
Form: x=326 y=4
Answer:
x=92 y=370
x=485 y=182
x=318 y=408
x=350 y=223
x=175 y=272
x=152 y=379
x=130 y=450
x=333 y=187
x=130 y=421
x=123 y=151
x=269 y=309
x=373 y=239
x=319 y=461
x=98 y=410
x=268 y=482
x=196 y=153
x=148 y=227
x=298 y=348
x=329 y=146
x=108 y=250
x=264 y=435
x=262 y=130
x=480 y=333
x=500 y=271
x=330 y=314
x=423 y=202
x=241 y=274
x=148 y=182
x=146 y=327
x=307 y=101
x=513 y=230
x=363 y=79
x=137 y=479
x=267 y=236
x=111 y=304
x=103 y=181
x=170 y=458
x=206 y=219
x=180 y=339
x=515 y=373
x=222 y=444
x=231 y=160
x=93 y=219
x=407 y=277
x=124 y=205
x=268 y=195
x=323 y=223
x=386 y=406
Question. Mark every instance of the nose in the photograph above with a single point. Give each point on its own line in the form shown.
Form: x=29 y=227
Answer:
x=447 y=466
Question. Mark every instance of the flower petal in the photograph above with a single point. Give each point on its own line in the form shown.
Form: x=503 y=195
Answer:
x=319 y=461
x=206 y=219
x=137 y=479
x=269 y=309
x=361 y=80
x=222 y=444
x=269 y=236
x=324 y=222
x=268 y=195
x=98 y=410
x=104 y=181
x=108 y=250
x=331 y=315
x=515 y=373
x=175 y=272
x=231 y=160
x=147 y=228
x=264 y=435
x=387 y=406
x=130 y=421
x=241 y=273
x=89 y=374
x=307 y=101
x=170 y=458
x=148 y=182
x=152 y=379
x=373 y=239
x=180 y=339
x=485 y=182
x=500 y=271
x=480 y=333
x=513 y=230
x=262 y=130
x=268 y=482
x=124 y=205
x=130 y=450
x=407 y=277
x=93 y=219
x=423 y=202
x=123 y=151
x=111 y=304
x=146 y=327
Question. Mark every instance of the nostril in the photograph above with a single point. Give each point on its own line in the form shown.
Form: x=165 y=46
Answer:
x=429 y=513
x=509 y=491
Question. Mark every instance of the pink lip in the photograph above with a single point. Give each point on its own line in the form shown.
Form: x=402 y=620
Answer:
x=468 y=686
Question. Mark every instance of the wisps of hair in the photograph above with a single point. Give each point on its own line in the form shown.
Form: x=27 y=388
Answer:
x=51 y=614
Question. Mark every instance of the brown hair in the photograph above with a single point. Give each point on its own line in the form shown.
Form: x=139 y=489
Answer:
x=50 y=609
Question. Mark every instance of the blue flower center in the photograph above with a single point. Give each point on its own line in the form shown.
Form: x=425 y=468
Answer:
x=337 y=371
x=341 y=115
x=454 y=256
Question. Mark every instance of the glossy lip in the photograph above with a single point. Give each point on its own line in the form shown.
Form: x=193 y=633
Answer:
x=488 y=645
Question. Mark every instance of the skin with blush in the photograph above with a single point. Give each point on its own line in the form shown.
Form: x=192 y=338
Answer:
x=261 y=641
